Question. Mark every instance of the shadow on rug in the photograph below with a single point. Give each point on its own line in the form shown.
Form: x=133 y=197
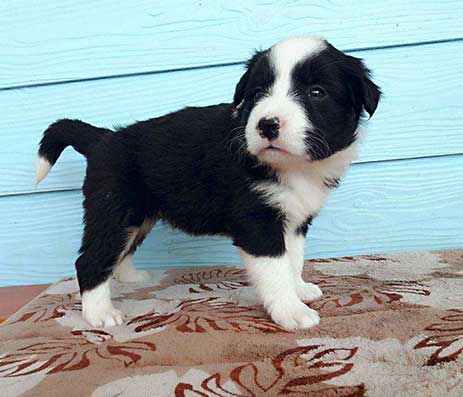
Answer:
x=390 y=326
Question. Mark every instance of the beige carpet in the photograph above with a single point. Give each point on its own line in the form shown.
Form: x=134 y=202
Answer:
x=391 y=326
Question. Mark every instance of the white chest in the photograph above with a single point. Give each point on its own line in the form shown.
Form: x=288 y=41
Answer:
x=297 y=195
x=302 y=193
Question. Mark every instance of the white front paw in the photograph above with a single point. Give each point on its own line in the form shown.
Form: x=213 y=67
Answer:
x=293 y=314
x=132 y=276
x=308 y=292
x=102 y=316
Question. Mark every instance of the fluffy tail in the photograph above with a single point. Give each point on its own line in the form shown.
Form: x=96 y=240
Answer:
x=81 y=136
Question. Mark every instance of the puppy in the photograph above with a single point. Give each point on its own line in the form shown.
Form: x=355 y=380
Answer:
x=257 y=170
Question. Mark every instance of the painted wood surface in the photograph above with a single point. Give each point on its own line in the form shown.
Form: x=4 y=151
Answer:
x=144 y=58
x=380 y=207
x=58 y=40
x=420 y=115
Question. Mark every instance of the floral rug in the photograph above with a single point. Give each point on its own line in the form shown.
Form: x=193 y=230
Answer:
x=390 y=326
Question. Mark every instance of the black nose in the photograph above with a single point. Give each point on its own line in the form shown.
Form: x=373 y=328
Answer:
x=269 y=128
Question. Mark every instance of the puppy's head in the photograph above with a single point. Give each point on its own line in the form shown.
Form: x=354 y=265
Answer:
x=301 y=100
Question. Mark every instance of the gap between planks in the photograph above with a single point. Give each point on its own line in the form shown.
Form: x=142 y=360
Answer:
x=354 y=165
x=201 y=67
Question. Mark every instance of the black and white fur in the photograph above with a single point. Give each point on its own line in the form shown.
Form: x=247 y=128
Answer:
x=257 y=170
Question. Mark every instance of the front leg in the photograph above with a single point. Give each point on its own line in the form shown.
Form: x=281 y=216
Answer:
x=295 y=244
x=274 y=281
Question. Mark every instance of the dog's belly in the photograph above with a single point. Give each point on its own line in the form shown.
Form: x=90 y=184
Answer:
x=192 y=209
x=195 y=198
x=195 y=223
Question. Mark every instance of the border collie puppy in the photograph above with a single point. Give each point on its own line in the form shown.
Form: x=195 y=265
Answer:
x=257 y=170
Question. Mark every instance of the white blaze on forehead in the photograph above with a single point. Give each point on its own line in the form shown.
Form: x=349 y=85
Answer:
x=288 y=53
x=279 y=102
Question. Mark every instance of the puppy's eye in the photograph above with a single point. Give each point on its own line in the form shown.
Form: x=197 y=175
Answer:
x=258 y=93
x=317 y=92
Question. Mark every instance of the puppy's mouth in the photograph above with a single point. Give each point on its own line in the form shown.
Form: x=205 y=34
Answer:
x=279 y=157
x=272 y=149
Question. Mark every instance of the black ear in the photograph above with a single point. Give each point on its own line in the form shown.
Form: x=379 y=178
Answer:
x=241 y=86
x=366 y=93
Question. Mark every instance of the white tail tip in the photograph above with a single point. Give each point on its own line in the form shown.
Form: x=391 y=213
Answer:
x=42 y=167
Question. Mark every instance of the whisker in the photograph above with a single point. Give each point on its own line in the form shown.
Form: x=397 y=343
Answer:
x=318 y=145
x=237 y=144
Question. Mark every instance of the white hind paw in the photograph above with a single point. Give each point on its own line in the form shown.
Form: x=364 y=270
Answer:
x=135 y=276
x=125 y=272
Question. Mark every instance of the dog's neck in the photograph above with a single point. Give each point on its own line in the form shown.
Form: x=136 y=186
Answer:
x=300 y=192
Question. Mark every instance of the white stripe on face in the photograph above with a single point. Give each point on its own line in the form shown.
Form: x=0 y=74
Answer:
x=286 y=54
x=278 y=101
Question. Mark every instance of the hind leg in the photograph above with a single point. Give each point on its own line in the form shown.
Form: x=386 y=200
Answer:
x=125 y=271
x=108 y=228
x=100 y=252
x=98 y=309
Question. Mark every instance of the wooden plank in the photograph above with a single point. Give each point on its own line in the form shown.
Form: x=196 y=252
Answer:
x=57 y=40
x=419 y=115
x=402 y=205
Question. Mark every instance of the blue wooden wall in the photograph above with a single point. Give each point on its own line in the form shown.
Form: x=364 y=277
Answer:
x=111 y=62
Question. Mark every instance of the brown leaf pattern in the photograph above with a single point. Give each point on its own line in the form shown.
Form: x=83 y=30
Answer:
x=215 y=339
x=71 y=354
x=49 y=307
x=208 y=314
x=362 y=292
x=445 y=338
x=297 y=371
x=210 y=280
